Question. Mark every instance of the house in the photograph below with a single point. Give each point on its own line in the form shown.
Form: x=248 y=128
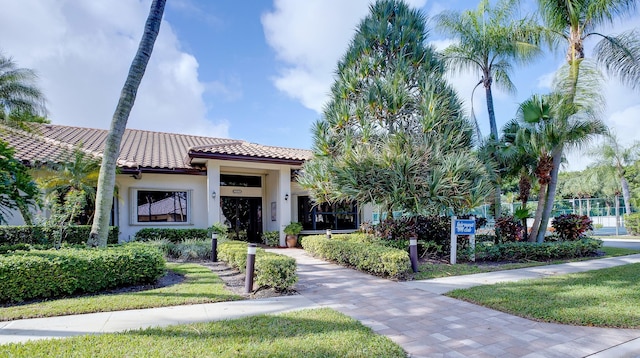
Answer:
x=186 y=181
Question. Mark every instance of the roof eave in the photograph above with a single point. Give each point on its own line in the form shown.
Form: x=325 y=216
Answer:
x=246 y=158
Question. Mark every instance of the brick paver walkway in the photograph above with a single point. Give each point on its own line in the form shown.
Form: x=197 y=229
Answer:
x=427 y=324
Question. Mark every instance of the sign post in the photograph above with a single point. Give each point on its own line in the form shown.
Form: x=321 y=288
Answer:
x=463 y=227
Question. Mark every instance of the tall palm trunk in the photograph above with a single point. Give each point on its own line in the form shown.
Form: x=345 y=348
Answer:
x=497 y=199
x=551 y=193
x=107 y=177
x=626 y=195
x=543 y=169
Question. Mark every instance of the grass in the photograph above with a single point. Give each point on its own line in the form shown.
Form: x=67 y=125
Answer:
x=308 y=333
x=428 y=271
x=200 y=286
x=604 y=298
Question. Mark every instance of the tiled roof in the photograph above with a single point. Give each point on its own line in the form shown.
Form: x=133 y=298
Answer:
x=246 y=149
x=139 y=148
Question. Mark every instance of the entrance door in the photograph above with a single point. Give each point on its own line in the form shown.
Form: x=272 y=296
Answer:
x=243 y=216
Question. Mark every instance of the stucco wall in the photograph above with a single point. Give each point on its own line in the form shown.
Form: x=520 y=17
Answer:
x=175 y=182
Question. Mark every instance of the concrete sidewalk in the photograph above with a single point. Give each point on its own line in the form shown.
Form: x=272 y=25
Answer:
x=413 y=314
x=104 y=322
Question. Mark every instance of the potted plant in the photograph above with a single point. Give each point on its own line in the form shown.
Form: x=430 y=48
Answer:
x=292 y=230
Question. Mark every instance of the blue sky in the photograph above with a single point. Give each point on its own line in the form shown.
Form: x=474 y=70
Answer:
x=253 y=70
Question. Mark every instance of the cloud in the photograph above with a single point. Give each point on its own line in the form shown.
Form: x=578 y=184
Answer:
x=82 y=51
x=309 y=37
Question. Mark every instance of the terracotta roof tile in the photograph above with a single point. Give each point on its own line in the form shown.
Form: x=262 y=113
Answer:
x=139 y=148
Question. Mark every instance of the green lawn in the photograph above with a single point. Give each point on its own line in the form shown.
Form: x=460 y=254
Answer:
x=201 y=286
x=428 y=271
x=308 y=333
x=604 y=298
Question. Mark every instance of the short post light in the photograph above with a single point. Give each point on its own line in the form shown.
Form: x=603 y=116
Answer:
x=328 y=233
x=214 y=247
x=251 y=264
x=413 y=253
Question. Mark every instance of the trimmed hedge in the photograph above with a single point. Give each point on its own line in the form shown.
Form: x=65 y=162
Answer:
x=531 y=251
x=632 y=223
x=173 y=235
x=34 y=235
x=271 y=270
x=54 y=273
x=376 y=259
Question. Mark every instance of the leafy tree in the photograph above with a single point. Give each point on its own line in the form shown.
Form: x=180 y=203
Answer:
x=393 y=133
x=107 y=177
x=611 y=156
x=573 y=22
x=18 y=93
x=72 y=179
x=489 y=41
x=17 y=188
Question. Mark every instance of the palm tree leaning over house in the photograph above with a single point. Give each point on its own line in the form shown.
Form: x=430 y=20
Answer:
x=489 y=41
x=612 y=156
x=107 y=177
x=573 y=22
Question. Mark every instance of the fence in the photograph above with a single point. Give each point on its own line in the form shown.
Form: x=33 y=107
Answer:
x=601 y=210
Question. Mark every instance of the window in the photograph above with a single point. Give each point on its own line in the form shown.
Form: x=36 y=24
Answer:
x=161 y=206
x=247 y=181
x=313 y=216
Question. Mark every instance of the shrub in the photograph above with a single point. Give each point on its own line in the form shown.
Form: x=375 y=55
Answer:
x=571 y=227
x=632 y=223
x=271 y=270
x=508 y=229
x=531 y=251
x=191 y=249
x=15 y=247
x=54 y=273
x=74 y=234
x=369 y=257
x=271 y=238
x=173 y=235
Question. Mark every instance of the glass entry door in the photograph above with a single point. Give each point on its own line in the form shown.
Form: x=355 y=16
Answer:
x=243 y=216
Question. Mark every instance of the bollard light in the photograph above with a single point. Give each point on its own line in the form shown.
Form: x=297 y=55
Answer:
x=413 y=253
x=251 y=263
x=328 y=233
x=214 y=247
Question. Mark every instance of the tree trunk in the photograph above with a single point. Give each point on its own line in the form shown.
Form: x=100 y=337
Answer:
x=625 y=194
x=106 y=179
x=542 y=197
x=492 y=114
x=551 y=193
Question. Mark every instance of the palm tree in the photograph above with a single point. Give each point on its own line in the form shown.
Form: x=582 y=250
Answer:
x=79 y=176
x=107 y=177
x=614 y=157
x=17 y=188
x=18 y=92
x=490 y=40
x=573 y=22
x=549 y=125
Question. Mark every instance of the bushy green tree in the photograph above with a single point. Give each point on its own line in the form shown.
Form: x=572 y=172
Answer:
x=393 y=132
x=17 y=188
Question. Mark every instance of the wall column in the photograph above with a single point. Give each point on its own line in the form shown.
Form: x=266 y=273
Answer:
x=213 y=186
x=284 y=205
